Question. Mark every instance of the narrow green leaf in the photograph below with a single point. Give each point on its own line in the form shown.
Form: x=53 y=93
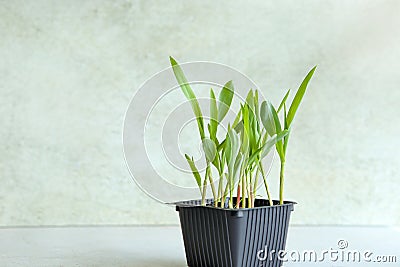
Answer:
x=221 y=146
x=248 y=123
x=209 y=149
x=285 y=124
x=279 y=144
x=255 y=128
x=250 y=99
x=254 y=156
x=232 y=148
x=299 y=96
x=216 y=161
x=237 y=167
x=283 y=101
x=227 y=148
x=245 y=117
x=213 y=115
x=225 y=100
x=235 y=144
x=264 y=138
x=275 y=117
x=256 y=106
x=253 y=131
x=223 y=160
x=194 y=170
x=188 y=92
x=239 y=127
x=266 y=148
x=286 y=139
x=252 y=102
x=237 y=119
x=245 y=142
x=210 y=130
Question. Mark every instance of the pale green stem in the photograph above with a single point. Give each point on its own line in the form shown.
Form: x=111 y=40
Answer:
x=224 y=195
x=256 y=181
x=203 y=197
x=220 y=182
x=251 y=199
x=282 y=180
x=243 y=192
x=219 y=189
x=254 y=190
x=248 y=183
x=266 y=185
x=212 y=183
x=230 y=192
x=238 y=194
x=241 y=182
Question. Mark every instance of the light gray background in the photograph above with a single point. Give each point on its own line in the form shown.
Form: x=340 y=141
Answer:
x=69 y=68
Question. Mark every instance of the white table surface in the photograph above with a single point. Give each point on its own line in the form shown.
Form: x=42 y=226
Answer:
x=141 y=246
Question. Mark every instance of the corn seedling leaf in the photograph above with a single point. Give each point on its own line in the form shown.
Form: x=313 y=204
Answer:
x=194 y=170
x=213 y=115
x=254 y=156
x=275 y=117
x=209 y=148
x=256 y=106
x=266 y=148
x=227 y=148
x=245 y=143
x=237 y=167
x=239 y=127
x=299 y=96
x=283 y=101
x=188 y=92
x=225 y=100
x=250 y=100
x=237 y=119
x=235 y=143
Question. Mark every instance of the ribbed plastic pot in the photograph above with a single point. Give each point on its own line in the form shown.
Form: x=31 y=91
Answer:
x=234 y=237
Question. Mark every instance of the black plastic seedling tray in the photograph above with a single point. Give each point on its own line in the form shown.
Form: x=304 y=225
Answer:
x=233 y=237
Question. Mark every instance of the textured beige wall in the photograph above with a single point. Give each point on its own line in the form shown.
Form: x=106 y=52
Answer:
x=69 y=68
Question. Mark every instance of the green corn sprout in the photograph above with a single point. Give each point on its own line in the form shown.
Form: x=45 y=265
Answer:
x=271 y=122
x=237 y=158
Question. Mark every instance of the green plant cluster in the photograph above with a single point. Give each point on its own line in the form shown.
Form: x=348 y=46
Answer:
x=237 y=159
